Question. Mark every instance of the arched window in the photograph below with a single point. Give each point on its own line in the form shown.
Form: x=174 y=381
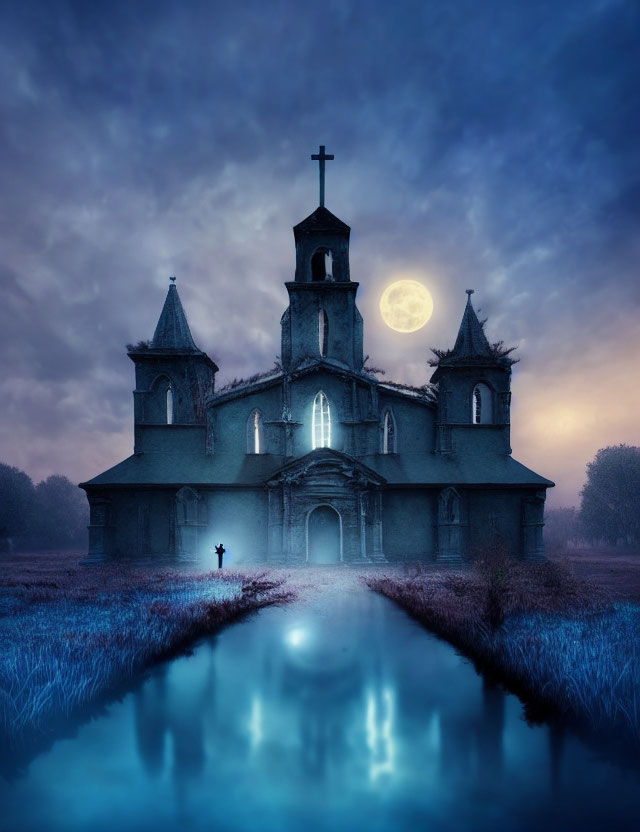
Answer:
x=323 y=332
x=322 y=265
x=255 y=437
x=453 y=507
x=449 y=506
x=169 y=405
x=321 y=422
x=187 y=506
x=482 y=405
x=388 y=433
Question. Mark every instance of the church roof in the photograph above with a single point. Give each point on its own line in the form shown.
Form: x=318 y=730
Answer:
x=426 y=394
x=255 y=470
x=172 y=331
x=322 y=220
x=480 y=469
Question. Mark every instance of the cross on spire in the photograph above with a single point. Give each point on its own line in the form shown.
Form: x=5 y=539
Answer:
x=322 y=157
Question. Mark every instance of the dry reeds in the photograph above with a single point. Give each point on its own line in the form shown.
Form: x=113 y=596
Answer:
x=75 y=636
x=554 y=639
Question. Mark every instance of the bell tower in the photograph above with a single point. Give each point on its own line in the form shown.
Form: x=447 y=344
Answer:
x=322 y=321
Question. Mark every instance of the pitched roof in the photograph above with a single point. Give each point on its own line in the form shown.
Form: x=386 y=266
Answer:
x=321 y=462
x=321 y=220
x=172 y=331
x=425 y=395
x=255 y=470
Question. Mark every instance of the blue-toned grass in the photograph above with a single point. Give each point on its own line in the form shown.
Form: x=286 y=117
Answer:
x=551 y=638
x=70 y=641
x=588 y=665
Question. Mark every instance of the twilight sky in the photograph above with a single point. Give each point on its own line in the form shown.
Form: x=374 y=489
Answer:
x=491 y=145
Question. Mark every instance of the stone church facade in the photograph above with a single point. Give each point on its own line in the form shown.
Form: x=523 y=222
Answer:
x=318 y=460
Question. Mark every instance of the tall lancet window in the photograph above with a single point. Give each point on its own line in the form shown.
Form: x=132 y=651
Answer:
x=323 y=332
x=481 y=405
x=388 y=433
x=169 y=405
x=321 y=422
x=255 y=438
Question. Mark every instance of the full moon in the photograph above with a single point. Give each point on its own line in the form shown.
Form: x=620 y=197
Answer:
x=406 y=305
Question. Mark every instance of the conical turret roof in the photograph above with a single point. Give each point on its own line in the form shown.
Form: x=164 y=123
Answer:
x=172 y=331
x=471 y=346
x=471 y=341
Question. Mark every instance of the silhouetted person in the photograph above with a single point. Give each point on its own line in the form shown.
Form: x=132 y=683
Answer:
x=220 y=550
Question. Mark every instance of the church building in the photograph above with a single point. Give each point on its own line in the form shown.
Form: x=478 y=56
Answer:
x=317 y=460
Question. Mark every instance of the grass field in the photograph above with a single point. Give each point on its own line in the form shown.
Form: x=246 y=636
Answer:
x=615 y=571
x=74 y=635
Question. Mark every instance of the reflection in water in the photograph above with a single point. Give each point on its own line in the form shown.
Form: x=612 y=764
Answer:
x=255 y=722
x=341 y=713
x=380 y=732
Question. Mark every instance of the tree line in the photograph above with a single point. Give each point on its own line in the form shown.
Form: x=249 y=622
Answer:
x=52 y=514
x=610 y=503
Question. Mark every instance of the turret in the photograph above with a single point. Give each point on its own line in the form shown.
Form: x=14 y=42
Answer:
x=173 y=376
x=474 y=383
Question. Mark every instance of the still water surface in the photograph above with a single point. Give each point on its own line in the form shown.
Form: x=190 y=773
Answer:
x=336 y=712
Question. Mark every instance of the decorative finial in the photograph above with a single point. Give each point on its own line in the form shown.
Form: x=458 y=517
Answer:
x=470 y=292
x=322 y=157
x=172 y=279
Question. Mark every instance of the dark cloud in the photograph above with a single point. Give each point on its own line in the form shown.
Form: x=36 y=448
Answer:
x=490 y=144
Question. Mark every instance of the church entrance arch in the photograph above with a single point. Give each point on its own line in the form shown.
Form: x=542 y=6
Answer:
x=324 y=535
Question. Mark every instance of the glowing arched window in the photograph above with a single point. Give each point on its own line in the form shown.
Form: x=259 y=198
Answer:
x=323 y=332
x=255 y=439
x=481 y=405
x=388 y=433
x=321 y=422
x=169 y=405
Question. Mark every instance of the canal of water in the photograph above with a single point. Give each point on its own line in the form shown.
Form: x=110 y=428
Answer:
x=337 y=712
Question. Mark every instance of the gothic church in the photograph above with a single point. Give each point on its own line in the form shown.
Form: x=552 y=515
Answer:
x=318 y=460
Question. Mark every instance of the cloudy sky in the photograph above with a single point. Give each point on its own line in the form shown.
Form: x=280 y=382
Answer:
x=490 y=145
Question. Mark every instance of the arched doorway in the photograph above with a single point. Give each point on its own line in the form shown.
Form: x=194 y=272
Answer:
x=323 y=535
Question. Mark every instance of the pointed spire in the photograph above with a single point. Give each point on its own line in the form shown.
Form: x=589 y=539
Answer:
x=172 y=332
x=471 y=340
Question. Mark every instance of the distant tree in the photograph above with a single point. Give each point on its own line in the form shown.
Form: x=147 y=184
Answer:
x=610 y=508
x=62 y=513
x=17 y=496
x=561 y=526
x=54 y=513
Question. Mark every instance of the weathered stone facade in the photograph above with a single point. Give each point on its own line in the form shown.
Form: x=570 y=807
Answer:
x=318 y=461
